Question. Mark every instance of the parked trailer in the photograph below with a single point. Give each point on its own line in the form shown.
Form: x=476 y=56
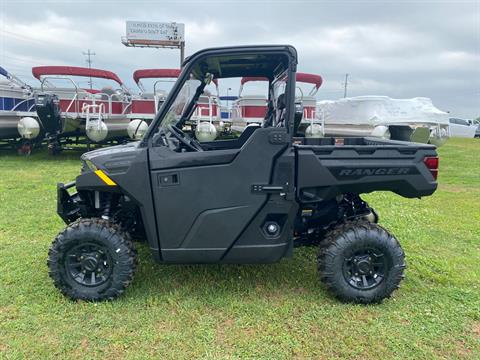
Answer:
x=67 y=112
x=19 y=125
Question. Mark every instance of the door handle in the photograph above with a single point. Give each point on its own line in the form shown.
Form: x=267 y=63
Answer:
x=270 y=189
x=167 y=179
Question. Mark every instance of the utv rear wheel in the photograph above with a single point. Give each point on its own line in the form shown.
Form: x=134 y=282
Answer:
x=361 y=262
x=92 y=259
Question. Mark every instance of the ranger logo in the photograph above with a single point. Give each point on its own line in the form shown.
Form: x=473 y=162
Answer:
x=356 y=173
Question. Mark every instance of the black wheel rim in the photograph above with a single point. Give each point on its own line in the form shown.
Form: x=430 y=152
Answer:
x=365 y=269
x=89 y=264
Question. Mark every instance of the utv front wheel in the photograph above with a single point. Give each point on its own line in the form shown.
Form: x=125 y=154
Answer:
x=92 y=259
x=361 y=262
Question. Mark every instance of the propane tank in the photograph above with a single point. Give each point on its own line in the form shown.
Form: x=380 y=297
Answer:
x=96 y=130
x=205 y=131
x=28 y=127
x=381 y=131
x=314 y=131
x=136 y=129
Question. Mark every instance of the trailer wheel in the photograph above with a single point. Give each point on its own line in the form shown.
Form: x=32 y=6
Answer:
x=92 y=259
x=25 y=149
x=54 y=147
x=361 y=262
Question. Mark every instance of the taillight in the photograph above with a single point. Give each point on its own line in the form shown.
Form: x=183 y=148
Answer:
x=432 y=164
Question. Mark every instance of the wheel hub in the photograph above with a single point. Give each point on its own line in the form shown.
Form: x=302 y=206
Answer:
x=365 y=269
x=89 y=264
x=363 y=265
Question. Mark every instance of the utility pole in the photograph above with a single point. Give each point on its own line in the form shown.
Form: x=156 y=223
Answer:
x=345 y=86
x=182 y=53
x=88 y=60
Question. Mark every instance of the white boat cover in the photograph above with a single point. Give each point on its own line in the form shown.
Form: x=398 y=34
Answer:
x=380 y=110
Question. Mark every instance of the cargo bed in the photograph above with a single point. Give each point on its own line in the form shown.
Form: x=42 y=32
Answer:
x=328 y=167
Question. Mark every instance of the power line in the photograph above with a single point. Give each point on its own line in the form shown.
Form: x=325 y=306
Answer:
x=89 y=54
x=19 y=59
x=22 y=37
x=345 y=86
x=31 y=39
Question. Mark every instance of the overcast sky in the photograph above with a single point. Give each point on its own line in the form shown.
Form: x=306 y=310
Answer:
x=401 y=49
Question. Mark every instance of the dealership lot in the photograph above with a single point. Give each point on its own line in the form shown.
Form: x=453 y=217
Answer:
x=275 y=310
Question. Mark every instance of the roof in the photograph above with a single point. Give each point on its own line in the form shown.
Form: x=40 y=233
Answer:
x=159 y=73
x=39 y=71
x=300 y=77
x=155 y=73
x=309 y=79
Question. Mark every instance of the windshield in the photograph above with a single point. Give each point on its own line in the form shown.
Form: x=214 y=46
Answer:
x=182 y=100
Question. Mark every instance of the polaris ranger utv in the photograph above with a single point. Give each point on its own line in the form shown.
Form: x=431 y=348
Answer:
x=245 y=200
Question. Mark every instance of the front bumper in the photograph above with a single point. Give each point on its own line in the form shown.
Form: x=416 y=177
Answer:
x=68 y=206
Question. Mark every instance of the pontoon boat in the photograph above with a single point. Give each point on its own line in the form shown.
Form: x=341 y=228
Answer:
x=19 y=124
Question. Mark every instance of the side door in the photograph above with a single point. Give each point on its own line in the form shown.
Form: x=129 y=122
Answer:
x=205 y=201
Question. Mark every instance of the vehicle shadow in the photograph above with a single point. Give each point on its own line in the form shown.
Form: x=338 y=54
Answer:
x=210 y=282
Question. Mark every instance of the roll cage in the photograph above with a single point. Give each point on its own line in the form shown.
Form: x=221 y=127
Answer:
x=271 y=62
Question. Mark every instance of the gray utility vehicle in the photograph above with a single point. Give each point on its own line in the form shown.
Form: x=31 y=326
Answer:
x=244 y=200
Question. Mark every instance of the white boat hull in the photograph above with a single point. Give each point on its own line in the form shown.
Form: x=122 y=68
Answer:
x=400 y=119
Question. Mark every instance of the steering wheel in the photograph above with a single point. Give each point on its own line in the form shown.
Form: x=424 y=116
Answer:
x=189 y=142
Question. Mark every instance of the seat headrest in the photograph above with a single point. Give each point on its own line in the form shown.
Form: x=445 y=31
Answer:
x=281 y=102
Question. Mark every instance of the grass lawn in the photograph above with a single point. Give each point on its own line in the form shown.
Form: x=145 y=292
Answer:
x=261 y=311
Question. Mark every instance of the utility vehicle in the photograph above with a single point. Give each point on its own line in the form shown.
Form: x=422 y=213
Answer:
x=244 y=200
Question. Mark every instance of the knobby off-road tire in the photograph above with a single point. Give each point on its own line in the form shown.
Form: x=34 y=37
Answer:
x=361 y=262
x=92 y=260
x=131 y=223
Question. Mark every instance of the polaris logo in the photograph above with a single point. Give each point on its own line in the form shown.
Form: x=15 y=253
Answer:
x=372 y=172
x=356 y=173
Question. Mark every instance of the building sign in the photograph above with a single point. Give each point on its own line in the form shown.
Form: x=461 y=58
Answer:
x=169 y=33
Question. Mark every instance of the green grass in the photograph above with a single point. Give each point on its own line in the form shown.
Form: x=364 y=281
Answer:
x=262 y=311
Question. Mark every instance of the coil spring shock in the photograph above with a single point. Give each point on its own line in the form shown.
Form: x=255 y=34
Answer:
x=354 y=206
x=108 y=203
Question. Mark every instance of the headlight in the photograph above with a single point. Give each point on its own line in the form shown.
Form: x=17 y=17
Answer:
x=90 y=165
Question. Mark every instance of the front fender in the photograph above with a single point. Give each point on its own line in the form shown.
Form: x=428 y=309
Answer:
x=92 y=181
